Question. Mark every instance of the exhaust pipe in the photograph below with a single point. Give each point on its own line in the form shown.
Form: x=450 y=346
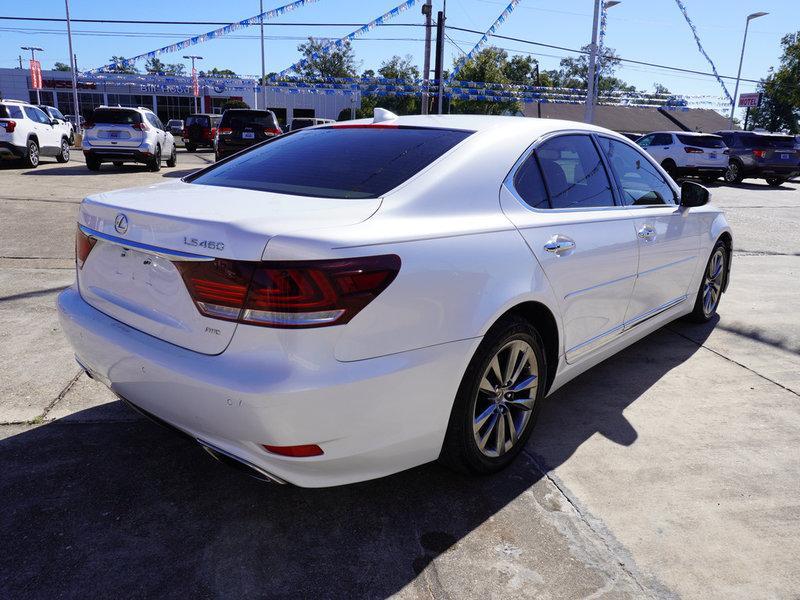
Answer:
x=238 y=463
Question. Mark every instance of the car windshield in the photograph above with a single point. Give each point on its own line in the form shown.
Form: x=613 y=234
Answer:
x=702 y=141
x=116 y=117
x=56 y=114
x=334 y=162
x=240 y=119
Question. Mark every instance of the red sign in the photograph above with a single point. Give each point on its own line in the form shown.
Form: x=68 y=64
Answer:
x=195 y=83
x=36 y=74
x=750 y=100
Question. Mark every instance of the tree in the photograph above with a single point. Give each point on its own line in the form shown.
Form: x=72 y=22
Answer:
x=339 y=62
x=59 y=66
x=490 y=65
x=215 y=72
x=780 y=108
x=175 y=69
x=121 y=67
x=397 y=67
x=574 y=71
x=234 y=104
x=154 y=65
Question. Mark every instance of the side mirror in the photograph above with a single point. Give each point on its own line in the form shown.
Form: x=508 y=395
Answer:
x=694 y=194
x=55 y=122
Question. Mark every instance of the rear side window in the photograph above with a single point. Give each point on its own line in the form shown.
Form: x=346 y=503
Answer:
x=240 y=119
x=334 y=162
x=662 y=139
x=702 y=141
x=529 y=184
x=9 y=111
x=637 y=179
x=34 y=114
x=574 y=173
x=116 y=117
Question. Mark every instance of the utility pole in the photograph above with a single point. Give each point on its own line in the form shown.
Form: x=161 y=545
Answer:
x=427 y=10
x=75 y=58
x=263 y=69
x=20 y=61
x=34 y=50
x=78 y=128
x=539 y=92
x=588 y=114
x=194 y=57
x=440 y=21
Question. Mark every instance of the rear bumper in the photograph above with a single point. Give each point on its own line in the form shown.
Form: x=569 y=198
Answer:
x=119 y=154
x=10 y=151
x=768 y=170
x=371 y=417
x=718 y=170
x=200 y=143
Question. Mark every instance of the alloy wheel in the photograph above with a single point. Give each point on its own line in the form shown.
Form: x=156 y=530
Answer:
x=732 y=174
x=712 y=283
x=33 y=154
x=505 y=398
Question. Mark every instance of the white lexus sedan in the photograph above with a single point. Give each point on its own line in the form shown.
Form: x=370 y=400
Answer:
x=350 y=300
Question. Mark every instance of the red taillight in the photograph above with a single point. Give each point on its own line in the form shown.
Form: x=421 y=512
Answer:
x=186 y=132
x=273 y=131
x=225 y=130
x=9 y=125
x=295 y=451
x=141 y=126
x=759 y=153
x=691 y=150
x=288 y=294
x=83 y=246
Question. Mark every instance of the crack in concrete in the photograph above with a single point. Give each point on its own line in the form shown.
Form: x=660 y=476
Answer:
x=49 y=200
x=57 y=399
x=763 y=253
x=621 y=561
x=736 y=362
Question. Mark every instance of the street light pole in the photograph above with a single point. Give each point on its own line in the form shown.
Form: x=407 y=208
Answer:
x=194 y=57
x=427 y=10
x=263 y=68
x=34 y=50
x=741 y=59
x=74 y=63
x=591 y=75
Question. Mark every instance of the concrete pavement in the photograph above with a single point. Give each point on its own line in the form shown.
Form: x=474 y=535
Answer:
x=670 y=470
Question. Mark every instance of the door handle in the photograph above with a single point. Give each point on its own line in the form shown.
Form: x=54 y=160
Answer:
x=647 y=232
x=559 y=244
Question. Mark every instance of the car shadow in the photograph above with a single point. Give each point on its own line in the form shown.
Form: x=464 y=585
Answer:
x=82 y=169
x=181 y=172
x=109 y=507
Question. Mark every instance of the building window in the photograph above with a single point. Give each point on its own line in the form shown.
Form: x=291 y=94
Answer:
x=88 y=102
x=65 y=104
x=45 y=97
x=132 y=100
x=174 y=107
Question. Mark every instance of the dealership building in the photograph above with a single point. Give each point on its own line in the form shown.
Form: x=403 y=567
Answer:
x=172 y=97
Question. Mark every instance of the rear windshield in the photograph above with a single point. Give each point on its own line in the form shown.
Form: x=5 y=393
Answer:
x=239 y=119
x=201 y=120
x=702 y=141
x=753 y=140
x=116 y=117
x=782 y=141
x=334 y=162
x=9 y=111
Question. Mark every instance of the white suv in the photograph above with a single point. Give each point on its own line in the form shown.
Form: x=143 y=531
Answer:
x=688 y=153
x=63 y=124
x=27 y=133
x=119 y=134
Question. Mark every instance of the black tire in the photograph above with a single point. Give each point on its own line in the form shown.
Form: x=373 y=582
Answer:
x=461 y=450
x=31 y=159
x=191 y=147
x=118 y=163
x=92 y=163
x=703 y=311
x=63 y=155
x=173 y=158
x=154 y=164
x=71 y=139
x=776 y=181
x=671 y=168
x=734 y=173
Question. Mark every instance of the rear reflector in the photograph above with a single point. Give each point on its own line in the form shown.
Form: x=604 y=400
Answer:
x=288 y=294
x=83 y=246
x=295 y=451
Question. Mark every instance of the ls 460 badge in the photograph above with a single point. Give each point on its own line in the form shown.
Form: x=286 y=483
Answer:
x=210 y=244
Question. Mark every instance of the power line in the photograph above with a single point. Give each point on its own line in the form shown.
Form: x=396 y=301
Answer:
x=578 y=51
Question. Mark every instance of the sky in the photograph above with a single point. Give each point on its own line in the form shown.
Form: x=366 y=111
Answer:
x=647 y=30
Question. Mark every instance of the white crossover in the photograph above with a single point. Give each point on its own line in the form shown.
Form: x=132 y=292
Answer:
x=688 y=153
x=353 y=299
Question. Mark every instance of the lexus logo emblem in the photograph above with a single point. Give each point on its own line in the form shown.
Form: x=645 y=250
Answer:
x=121 y=223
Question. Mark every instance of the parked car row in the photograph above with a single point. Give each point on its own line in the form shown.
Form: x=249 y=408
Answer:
x=733 y=155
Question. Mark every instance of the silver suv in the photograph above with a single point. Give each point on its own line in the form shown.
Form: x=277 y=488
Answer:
x=118 y=135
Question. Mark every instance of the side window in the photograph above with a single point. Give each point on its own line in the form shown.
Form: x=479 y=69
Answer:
x=151 y=118
x=640 y=183
x=36 y=115
x=574 y=173
x=529 y=184
x=14 y=112
x=645 y=141
x=662 y=139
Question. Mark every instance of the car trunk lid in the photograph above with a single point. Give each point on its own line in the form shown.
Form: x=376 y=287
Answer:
x=142 y=233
